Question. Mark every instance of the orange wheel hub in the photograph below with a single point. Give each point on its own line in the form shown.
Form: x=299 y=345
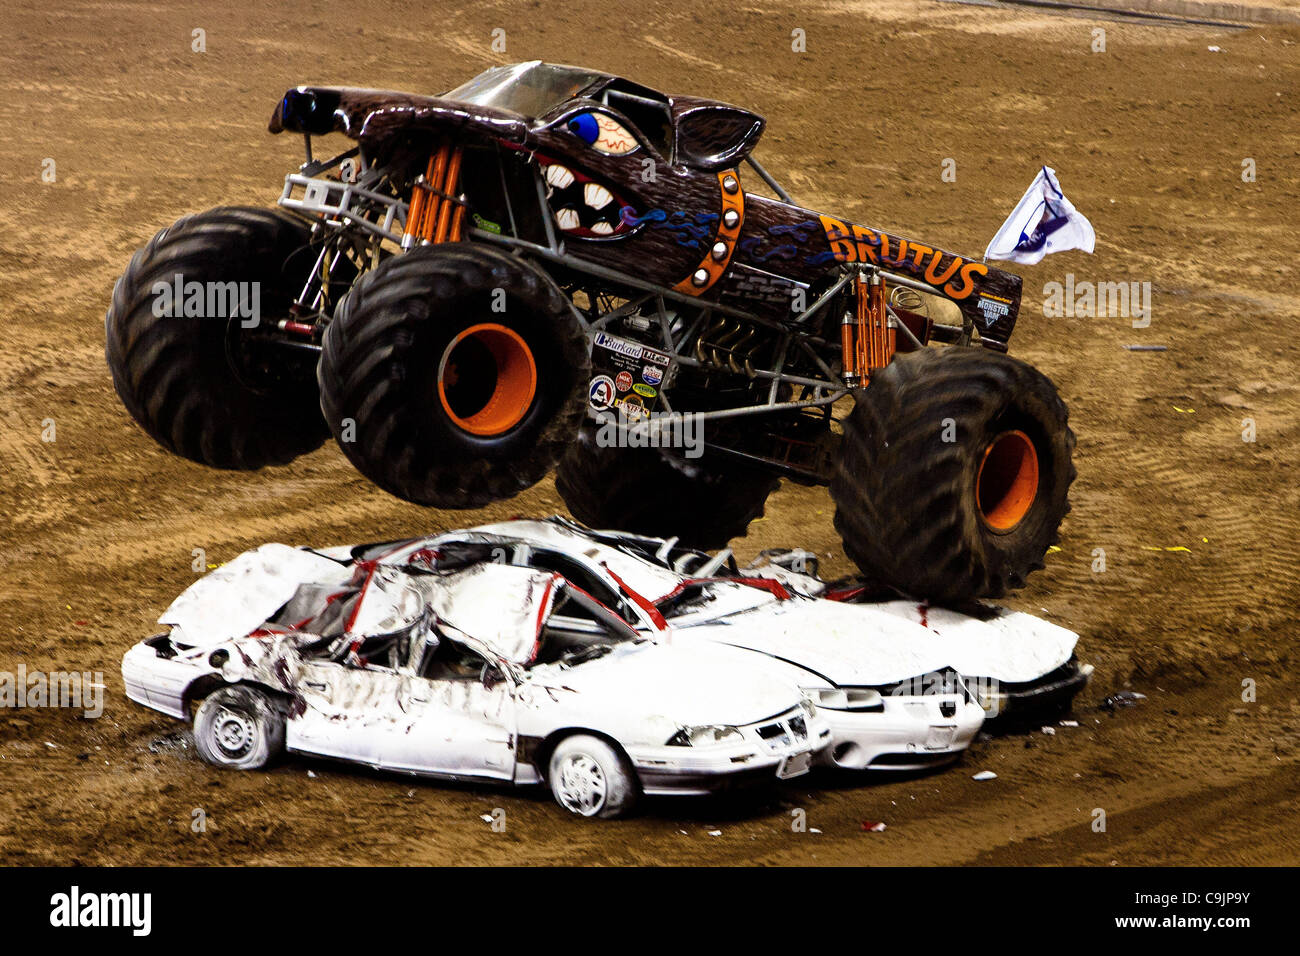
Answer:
x=487 y=379
x=1007 y=482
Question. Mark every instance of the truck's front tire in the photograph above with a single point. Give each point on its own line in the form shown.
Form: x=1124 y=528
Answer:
x=454 y=375
x=190 y=379
x=954 y=474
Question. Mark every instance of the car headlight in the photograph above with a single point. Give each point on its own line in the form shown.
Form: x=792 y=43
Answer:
x=706 y=736
x=845 y=698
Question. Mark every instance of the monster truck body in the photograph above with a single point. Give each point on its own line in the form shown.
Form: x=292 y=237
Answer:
x=486 y=269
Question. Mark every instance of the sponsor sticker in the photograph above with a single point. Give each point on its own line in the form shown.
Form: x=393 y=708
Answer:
x=601 y=393
x=616 y=365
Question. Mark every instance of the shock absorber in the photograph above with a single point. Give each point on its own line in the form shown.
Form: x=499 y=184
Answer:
x=436 y=213
x=867 y=340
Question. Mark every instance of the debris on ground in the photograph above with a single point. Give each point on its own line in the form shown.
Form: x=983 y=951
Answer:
x=1123 y=698
x=873 y=826
x=985 y=775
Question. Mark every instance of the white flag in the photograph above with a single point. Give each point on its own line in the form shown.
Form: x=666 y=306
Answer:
x=1043 y=222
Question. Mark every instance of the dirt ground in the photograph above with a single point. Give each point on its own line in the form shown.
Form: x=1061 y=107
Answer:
x=1198 y=527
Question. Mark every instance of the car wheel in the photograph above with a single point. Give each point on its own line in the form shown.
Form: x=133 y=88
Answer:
x=592 y=779
x=240 y=728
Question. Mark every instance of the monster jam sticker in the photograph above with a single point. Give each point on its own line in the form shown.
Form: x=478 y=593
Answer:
x=615 y=365
x=992 y=308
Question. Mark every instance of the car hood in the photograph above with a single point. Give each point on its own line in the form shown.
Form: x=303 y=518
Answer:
x=240 y=595
x=687 y=685
x=877 y=644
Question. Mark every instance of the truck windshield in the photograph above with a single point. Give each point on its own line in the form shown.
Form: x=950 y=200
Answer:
x=531 y=89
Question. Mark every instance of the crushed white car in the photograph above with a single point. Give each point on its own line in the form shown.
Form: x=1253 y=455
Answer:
x=466 y=669
x=903 y=686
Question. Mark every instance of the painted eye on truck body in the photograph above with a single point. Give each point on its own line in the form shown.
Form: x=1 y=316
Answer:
x=603 y=133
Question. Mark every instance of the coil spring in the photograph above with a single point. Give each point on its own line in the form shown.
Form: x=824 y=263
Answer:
x=904 y=298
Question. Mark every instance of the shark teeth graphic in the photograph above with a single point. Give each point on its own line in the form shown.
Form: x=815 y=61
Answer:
x=596 y=195
x=602 y=229
x=559 y=176
x=567 y=218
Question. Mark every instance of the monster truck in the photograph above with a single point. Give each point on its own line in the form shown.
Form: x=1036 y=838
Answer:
x=553 y=266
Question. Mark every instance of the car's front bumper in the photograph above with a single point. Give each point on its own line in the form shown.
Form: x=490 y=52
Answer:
x=909 y=732
x=1047 y=697
x=696 y=771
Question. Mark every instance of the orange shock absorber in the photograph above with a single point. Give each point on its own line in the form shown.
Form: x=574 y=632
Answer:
x=449 y=205
x=848 y=351
x=426 y=198
x=415 y=212
x=863 y=345
x=871 y=344
x=458 y=223
x=881 y=340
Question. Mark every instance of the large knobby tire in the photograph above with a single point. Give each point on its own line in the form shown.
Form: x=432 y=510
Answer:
x=239 y=727
x=954 y=474
x=454 y=375
x=654 y=492
x=203 y=386
x=590 y=778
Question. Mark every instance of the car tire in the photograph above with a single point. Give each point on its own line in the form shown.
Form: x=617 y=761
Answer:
x=954 y=474
x=648 y=491
x=590 y=778
x=454 y=375
x=240 y=728
x=204 y=387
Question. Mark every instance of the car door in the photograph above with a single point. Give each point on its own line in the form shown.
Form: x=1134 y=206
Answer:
x=347 y=710
x=457 y=725
x=458 y=716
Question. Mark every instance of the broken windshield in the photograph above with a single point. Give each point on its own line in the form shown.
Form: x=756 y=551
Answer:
x=531 y=89
x=579 y=630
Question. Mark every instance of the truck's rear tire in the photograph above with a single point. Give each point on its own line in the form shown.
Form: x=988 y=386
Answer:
x=652 y=492
x=189 y=379
x=454 y=375
x=954 y=474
